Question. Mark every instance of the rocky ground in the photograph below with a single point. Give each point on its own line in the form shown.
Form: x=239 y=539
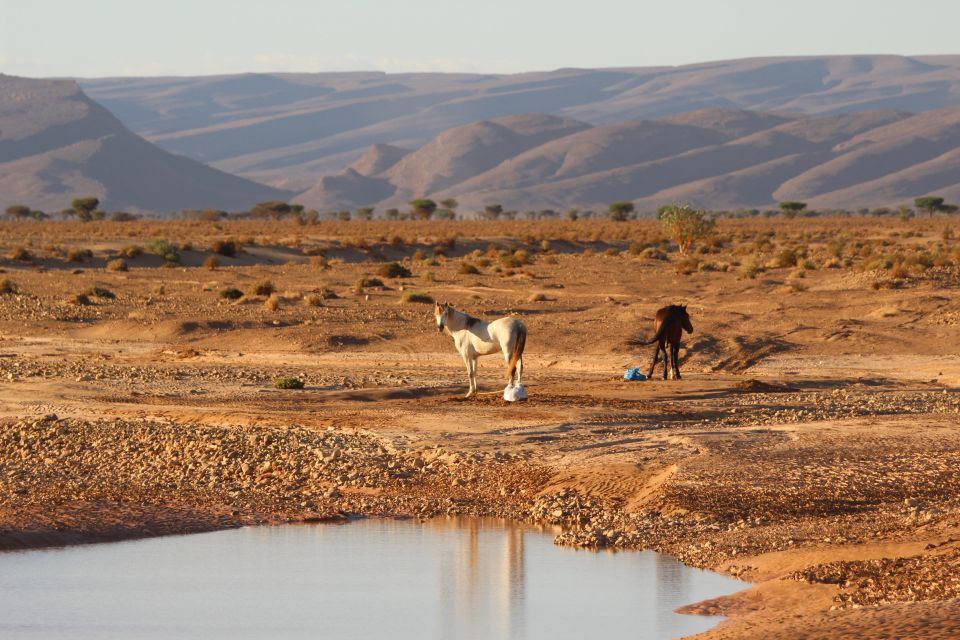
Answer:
x=812 y=448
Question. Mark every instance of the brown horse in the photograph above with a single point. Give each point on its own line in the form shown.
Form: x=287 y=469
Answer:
x=669 y=325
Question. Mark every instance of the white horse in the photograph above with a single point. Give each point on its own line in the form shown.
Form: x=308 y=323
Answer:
x=474 y=338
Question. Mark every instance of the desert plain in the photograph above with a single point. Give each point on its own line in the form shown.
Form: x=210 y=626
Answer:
x=811 y=449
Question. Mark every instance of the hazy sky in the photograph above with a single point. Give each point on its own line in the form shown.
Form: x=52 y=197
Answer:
x=188 y=37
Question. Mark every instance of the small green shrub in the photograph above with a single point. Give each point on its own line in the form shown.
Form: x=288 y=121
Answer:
x=163 y=248
x=231 y=293
x=288 y=382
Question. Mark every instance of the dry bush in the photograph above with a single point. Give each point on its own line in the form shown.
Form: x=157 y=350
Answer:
x=231 y=293
x=264 y=288
x=273 y=302
x=100 y=292
x=416 y=296
x=228 y=248
x=212 y=262
x=8 y=287
x=131 y=251
x=159 y=289
x=79 y=299
x=117 y=264
x=537 y=297
x=393 y=270
x=687 y=266
x=313 y=300
x=21 y=254
x=365 y=282
x=75 y=254
x=752 y=268
x=320 y=263
x=467 y=269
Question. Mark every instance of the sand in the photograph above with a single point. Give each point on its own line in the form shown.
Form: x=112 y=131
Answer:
x=811 y=448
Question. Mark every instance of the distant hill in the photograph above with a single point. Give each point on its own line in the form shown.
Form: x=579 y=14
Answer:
x=717 y=158
x=288 y=130
x=57 y=144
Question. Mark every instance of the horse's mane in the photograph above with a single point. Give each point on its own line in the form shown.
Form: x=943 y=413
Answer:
x=469 y=319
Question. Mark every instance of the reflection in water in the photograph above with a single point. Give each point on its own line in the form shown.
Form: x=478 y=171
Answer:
x=482 y=585
x=446 y=578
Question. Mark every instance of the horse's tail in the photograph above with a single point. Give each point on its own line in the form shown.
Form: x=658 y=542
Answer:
x=659 y=335
x=517 y=351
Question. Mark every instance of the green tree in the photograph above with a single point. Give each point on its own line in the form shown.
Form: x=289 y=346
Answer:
x=620 y=210
x=930 y=204
x=18 y=211
x=685 y=224
x=791 y=208
x=492 y=211
x=392 y=214
x=84 y=207
x=275 y=209
x=449 y=203
x=573 y=214
x=422 y=208
x=365 y=213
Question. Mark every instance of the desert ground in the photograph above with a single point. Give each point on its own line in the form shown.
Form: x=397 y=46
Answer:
x=811 y=449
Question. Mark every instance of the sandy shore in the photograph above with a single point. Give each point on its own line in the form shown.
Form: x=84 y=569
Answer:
x=812 y=448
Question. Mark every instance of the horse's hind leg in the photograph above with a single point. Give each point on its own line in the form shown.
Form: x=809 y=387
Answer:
x=675 y=349
x=666 y=361
x=656 y=357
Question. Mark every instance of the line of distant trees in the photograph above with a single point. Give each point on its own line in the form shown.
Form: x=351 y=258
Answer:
x=88 y=209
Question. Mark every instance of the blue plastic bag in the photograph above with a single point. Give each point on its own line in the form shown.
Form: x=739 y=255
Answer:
x=634 y=374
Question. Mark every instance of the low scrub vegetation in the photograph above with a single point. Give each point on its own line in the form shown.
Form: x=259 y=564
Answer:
x=100 y=292
x=288 y=382
x=231 y=293
x=264 y=288
x=163 y=248
x=416 y=296
x=8 y=286
x=393 y=270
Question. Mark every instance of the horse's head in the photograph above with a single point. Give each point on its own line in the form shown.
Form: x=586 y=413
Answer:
x=441 y=312
x=685 y=319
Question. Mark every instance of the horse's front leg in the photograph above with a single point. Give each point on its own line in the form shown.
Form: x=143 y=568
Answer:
x=675 y=357
x=471 y=374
